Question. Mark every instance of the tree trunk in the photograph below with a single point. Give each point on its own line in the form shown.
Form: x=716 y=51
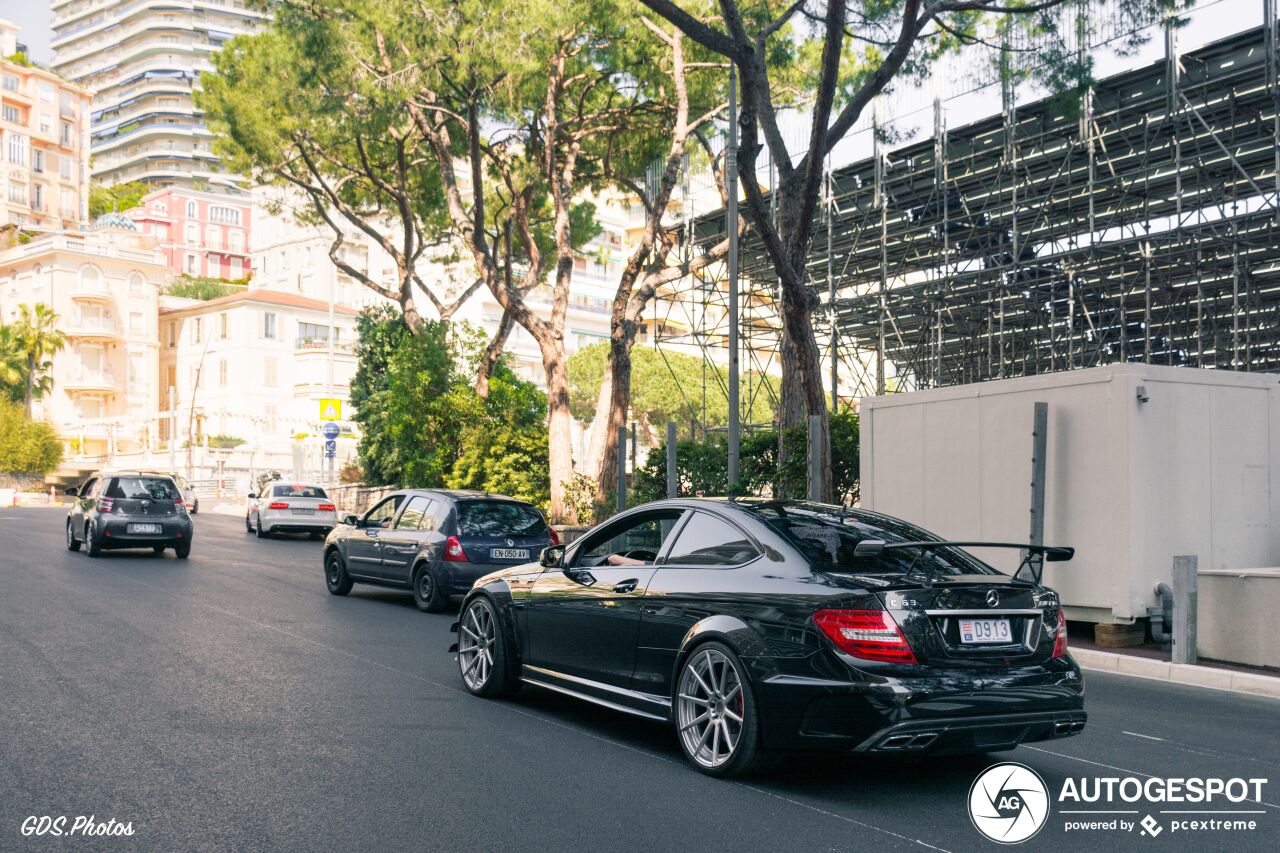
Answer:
x=802 y=392
x=559 y=420
x=27 y=392
x=619 y=385
x=492 y=353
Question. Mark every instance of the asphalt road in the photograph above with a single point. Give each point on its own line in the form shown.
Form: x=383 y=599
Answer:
x=229 y=702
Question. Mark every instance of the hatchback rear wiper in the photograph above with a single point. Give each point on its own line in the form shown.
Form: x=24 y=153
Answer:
x=1035 y=567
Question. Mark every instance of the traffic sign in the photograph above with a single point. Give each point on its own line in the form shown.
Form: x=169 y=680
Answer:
x=330 y=409
x=330 y=449
x=330 y=430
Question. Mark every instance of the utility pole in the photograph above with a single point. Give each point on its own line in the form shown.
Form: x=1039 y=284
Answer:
x=731 y=212
x=173 y=429
x=333 y=333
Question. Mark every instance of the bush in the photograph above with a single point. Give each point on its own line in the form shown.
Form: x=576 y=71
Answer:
x=26 y=446
x=422 y=423
x=702 y=465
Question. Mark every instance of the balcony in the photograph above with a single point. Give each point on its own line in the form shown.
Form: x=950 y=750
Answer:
x=321 y=346
x=86 y=292
x=84 y=381
x=90 y=328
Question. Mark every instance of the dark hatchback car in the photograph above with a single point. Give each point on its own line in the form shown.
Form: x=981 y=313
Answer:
x=762 y=627
x=435 y=542
x=128 y=510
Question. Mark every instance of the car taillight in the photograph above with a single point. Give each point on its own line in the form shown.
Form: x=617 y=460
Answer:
x=1060 y=640
x=277 y=505
x=179 y=502
x=555 y=537
x=326 y=507
x=453 y=552
x=866 y=634
x=105 y=504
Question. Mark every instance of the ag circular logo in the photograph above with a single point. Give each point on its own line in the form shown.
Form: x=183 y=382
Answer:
x=1008 y=803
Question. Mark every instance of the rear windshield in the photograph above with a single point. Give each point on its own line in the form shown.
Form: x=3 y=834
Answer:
x=142 y=489
x=297 y=492
x=828 y=536
x=499 y=518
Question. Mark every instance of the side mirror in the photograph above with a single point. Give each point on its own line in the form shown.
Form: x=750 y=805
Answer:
x=351 y=520
x=552 y=556
x=70 y=490
x=869 y=548
x=253 y=496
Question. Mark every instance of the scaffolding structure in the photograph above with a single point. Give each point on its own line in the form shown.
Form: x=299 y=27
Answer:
x=1139 y=223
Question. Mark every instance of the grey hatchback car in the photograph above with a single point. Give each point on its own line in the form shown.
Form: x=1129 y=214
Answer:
x=436 y=542
x=128 y=509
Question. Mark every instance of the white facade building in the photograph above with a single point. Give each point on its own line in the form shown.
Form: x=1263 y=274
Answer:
x=254 y=366
x=142 y=59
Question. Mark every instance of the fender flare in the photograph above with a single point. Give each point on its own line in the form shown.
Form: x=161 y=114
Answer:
x=499 y=595
x=748 y=643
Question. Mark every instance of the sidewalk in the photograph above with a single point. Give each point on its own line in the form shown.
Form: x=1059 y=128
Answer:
x=1144 y=663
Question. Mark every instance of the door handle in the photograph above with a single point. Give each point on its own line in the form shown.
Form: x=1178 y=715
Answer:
x=628 y=585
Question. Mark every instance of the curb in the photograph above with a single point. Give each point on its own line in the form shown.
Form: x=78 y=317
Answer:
x=1177 y=673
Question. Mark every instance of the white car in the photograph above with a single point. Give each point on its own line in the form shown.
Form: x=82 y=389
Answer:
x=290 y=508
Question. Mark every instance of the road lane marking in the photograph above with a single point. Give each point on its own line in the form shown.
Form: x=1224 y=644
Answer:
x=1121 y=769
x=1136 y=734
x=509 y=707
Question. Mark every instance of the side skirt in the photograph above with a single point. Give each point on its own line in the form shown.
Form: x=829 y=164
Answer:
x=653 y=708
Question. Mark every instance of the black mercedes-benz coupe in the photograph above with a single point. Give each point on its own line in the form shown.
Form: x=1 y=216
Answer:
x=760 y=627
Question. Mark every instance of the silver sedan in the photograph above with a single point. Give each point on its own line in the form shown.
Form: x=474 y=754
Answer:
x=290 y=508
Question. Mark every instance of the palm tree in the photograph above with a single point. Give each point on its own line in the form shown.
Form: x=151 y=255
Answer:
x=11 y=363
x=37 y=339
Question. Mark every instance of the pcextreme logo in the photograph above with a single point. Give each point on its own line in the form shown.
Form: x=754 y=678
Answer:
x=1008 y=803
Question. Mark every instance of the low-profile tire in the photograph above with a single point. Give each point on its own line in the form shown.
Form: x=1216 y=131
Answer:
x=335 y=574
x=183 y=550
x=262 y=534
x=158 y=549
x=426 y=591
x=73 y=544
x=717 y=719
x=482 y=651
x=91 y=545
x=248 y=528
x=195 y=506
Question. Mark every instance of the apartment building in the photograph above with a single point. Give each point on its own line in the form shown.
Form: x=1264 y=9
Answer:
x=142 y=59
x=200 y=233
x=104 y=285
x=254 y=365
x=44 y=154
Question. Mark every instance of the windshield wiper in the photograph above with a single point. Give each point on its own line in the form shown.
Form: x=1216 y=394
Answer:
x=1034 y=566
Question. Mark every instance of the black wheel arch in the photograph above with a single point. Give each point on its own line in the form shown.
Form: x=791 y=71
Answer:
x=498 y=594
x=745 y=641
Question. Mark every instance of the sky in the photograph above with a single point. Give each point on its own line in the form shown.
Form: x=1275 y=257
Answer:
x=32 y=17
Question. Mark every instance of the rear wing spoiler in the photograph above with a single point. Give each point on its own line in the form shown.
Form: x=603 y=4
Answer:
x=1033 y=556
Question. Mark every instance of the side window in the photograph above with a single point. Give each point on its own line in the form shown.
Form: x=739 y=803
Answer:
x=709 y=541
x=413 y=512
x=86 y=490
x=633 y=541
x=431 y=515
x=381 y=515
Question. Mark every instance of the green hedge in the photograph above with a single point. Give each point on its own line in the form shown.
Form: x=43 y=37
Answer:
x=26 y=446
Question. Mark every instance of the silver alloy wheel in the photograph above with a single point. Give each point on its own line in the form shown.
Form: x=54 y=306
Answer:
x=476 y=640
x=71 y=536
x=710 y=707
x=88 y=537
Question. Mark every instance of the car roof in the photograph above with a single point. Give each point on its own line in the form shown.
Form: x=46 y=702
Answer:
x=130 y=472
x=464 y=494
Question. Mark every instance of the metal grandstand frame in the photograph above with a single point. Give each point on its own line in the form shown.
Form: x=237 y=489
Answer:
x=1140 y=224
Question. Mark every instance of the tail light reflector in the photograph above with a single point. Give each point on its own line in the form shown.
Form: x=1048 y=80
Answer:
x=453 y=552
x=105 y=504
x=277 y=505
x=179 y=502
x=1060 y=639
x=555 y=537
x=865 y=634
x=326 y=507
